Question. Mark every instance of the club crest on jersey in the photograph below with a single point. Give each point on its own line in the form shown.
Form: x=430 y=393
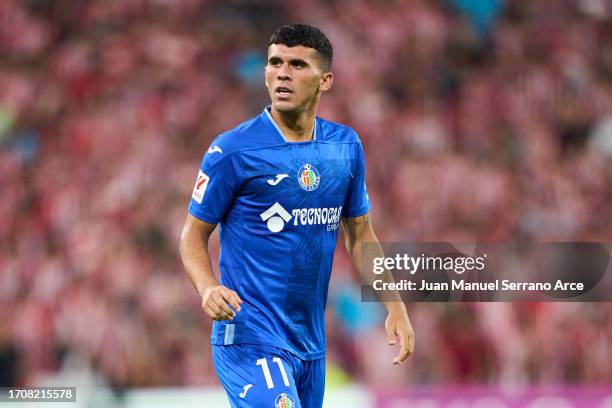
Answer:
x=284 y=401
x=308 y=177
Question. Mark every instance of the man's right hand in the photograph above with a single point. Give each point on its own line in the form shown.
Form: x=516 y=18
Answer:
x=216 y=301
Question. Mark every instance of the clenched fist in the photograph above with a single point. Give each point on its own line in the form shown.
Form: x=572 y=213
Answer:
x=216 y=302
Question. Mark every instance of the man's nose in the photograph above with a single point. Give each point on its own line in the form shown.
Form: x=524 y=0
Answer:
x=283 y=73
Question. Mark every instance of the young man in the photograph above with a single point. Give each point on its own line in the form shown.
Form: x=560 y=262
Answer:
x=279 y=186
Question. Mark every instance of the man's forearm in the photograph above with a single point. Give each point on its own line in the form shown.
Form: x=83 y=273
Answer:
x=355 y=249
x=196 y=260
x=358 y=232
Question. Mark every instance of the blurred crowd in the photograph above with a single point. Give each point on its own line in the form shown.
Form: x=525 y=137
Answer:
x=485 y=120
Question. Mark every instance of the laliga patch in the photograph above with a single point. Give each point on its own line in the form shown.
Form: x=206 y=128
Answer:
x=200 y=187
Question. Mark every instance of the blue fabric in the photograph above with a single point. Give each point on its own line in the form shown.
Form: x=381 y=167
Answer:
x=243 y=374
x=278 y=205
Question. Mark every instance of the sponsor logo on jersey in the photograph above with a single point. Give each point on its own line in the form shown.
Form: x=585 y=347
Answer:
x=284 y=401
x=200 y=187
x=308 y=177
x=318 y=216
x=276 y=216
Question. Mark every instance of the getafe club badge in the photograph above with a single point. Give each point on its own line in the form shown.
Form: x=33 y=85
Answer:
x=284 y=401
x=308 y=177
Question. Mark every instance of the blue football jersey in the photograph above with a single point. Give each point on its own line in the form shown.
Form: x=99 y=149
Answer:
x=279 y=206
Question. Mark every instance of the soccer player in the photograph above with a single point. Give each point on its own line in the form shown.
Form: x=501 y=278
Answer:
x=279 y=186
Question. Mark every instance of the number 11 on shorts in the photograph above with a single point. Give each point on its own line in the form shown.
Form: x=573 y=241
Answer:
x=266 y=371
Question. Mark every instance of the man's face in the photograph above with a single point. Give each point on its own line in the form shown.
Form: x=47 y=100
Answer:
x=294 y=77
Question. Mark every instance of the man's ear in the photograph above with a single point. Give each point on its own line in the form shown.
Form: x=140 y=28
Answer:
x=326 y=81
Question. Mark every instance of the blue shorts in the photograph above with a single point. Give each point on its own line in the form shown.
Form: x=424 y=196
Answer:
x=256 y=376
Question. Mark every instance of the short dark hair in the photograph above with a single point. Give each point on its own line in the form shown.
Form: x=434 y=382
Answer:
x=293 y=35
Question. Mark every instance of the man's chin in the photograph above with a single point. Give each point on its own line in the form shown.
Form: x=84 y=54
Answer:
x=283 y=106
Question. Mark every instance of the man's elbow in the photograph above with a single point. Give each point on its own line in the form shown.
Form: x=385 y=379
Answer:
x=349 y=244
x=183 y=239
x=194 y=235
x=186 y=240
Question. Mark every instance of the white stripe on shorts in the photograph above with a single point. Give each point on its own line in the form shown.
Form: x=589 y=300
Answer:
x=229 y=334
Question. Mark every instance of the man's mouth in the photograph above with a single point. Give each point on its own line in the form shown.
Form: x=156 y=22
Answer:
x=283 y=92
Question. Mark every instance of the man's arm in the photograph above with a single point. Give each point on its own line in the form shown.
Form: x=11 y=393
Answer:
x=216 y=298
x=357 y=231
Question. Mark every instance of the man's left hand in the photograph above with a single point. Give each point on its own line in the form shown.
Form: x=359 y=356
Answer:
x=398 y=324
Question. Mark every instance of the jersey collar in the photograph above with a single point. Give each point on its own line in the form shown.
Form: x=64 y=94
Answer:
x=280 y=132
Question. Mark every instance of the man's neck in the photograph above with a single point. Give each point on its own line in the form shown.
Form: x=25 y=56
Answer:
x=296 y=126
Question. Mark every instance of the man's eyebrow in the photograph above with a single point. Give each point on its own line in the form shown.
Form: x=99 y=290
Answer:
x=298 y=61
x=291 y=61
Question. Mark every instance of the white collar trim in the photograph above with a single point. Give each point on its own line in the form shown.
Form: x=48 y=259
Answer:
x=280 y=132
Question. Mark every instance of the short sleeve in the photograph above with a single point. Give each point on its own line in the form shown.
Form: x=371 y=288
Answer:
x=357 y=202
x=215 y=187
